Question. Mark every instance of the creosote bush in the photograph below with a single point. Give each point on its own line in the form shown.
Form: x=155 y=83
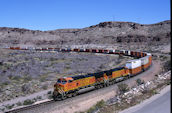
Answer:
x=139 y=81
x=10 y=106
x=39 y=97
x=49 y=92
x=98 y=105
x=28 y=102
x=18 y=103
x=123 y=88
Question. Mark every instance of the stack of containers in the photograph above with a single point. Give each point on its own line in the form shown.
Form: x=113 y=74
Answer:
x=134 y=66
x=144 y=62
x=129 y=53
x=150 y=58
x=111 y=52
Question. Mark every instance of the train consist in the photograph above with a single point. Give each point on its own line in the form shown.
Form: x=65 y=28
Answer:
x=69 y=86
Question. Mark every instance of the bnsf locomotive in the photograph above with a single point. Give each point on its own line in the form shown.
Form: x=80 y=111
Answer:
x=69 y=86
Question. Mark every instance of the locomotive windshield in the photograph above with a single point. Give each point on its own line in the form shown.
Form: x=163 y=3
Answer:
x=62 y=81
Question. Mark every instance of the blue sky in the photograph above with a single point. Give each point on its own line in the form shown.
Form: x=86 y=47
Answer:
x=59 y=14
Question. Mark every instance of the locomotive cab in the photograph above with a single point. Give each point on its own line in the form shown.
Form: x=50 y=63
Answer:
x=60 y=84
x=61 y=81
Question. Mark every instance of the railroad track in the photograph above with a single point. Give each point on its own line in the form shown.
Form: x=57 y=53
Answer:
x=17 y=110
x=33 y=106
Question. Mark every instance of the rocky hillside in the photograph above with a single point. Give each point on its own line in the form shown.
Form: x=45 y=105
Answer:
x=102 y=33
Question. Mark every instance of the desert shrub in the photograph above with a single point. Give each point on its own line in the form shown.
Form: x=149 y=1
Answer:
x=45 y=86
x=6 y=83
x=2 y=109
x=98 y=105
x=39 y=97
x=27 y=78
x=49 y=92
x=35 y=99
x=153 y=92
x=50 y=97
x=18 y=103
x=52 y=59
x=167 y=65
x=101 y=66
x=123 y=88
x=43 y=78
x=1 y=63
x=168 y=81
x=28 y=102
x=26 y=88
x=9 y=106
x=17 y=78
x=1 y=88
x=139 y=81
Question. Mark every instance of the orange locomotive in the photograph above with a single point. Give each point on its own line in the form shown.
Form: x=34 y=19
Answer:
x=69 y=86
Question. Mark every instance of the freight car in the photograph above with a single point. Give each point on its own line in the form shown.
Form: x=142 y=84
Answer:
x=69 y=86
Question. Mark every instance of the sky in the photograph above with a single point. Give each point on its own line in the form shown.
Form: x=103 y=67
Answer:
x=60 y=14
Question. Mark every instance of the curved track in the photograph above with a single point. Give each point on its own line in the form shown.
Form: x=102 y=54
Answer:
x=82 y=95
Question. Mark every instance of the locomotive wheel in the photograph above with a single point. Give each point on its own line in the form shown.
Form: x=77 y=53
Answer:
x=63 y=97
x=102 y=85
x=74 y=94
x=96 y=87
x=114 y=81
x=55 y=98
x=107 y=84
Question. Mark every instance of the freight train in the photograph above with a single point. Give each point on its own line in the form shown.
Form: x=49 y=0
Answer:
x=70 y=86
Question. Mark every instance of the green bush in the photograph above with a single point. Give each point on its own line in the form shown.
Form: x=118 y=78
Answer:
x=39 y=97
x=50 y=97
x=28 y=102
x=49 y=92
x=98 y=105
x=9 y=106
x=139 y=81
x=168 y=81
x=5 y=83
x=27 y=78
x=17 y=78
x=44 y=87
x=123 y=88
x=167 y=65
x=18 y=103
